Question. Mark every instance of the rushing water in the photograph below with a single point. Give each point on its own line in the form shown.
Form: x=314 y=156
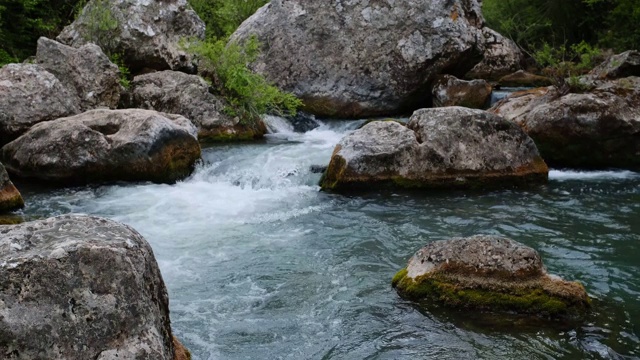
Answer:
x=262 y=265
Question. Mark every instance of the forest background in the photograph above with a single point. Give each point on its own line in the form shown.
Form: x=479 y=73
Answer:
x=532 y=24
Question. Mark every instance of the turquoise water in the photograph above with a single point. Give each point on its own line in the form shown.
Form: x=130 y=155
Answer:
x=262 y=265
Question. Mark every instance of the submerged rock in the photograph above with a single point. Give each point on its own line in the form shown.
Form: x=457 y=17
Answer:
x=451 y=147
x=303 y=122
x=10 y=198
x=149 y=34
x=106 y=145
x=594 y=130
x=29 y=94
x=81 y=287
x=618 y=66
x=451 y=91
x=488 y=273
x=360 y=58
x=188 y=95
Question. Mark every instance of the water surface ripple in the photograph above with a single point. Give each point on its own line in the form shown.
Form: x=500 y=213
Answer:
x=262 y=265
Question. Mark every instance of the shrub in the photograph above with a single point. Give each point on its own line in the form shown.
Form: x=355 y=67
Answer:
x=249 y=94
x=224 y=16
x=22 y=22
x=101 y=23
x=125 y=74
x=565 y=61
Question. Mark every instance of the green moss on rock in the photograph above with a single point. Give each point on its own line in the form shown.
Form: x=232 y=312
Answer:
x=528 y=297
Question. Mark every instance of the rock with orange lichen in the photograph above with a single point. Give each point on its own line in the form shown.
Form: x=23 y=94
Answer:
x=488 y=273
x=451 y=147
x=10 y=198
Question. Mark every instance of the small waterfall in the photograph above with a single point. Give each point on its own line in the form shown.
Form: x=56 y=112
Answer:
x=502 y=93
x=277 y=124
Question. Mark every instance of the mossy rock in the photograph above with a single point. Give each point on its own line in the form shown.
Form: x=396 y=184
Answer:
x=528 y=298
x=488 y=273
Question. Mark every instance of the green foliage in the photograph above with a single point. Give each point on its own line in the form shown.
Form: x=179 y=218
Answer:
x=249 y=94
x=101 y=23
x=224 y=16
x=125 y=73
x=600 y=23
x=566 y=61
x=22 y=22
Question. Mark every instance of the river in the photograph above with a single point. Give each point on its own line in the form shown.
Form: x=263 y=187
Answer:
x=260 y=264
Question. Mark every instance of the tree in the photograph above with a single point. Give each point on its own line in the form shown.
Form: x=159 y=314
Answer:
x=22 y=22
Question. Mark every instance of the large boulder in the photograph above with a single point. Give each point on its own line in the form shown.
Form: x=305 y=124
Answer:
x=488 y=273
x=618 y=66
x=362 y=58
x=10 y=198
x=85 y=71
x=106 y=145
x=501 y=56
x=451 y=91
x=81 y=287
x=451 y=147
x=594 y=130
x=149 y=33
x=189 y=95
x=29 y=94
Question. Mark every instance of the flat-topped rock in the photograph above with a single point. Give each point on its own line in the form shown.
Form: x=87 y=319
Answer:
x=450 y=147
x=106 y=145
x=522 y=78
x=596 y=129
x=451 y=91
x=81 y=287
x=488 y=273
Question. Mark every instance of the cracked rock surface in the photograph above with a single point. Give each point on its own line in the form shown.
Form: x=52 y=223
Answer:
x=81 y=287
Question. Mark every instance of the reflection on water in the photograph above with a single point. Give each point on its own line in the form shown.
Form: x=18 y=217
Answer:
x=260 y=264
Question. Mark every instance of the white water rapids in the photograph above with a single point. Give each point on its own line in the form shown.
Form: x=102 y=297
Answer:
x=260 y=264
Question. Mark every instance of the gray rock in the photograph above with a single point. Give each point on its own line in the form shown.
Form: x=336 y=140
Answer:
x=106 y=145
x=594 y=130
x=516 y=106
x=451 y=91
x=148 y=33
x=488 y=272
x=450 y=147
x=28 y=95
x=501 y=57
x=85 y=71
x=188 y=95
x=362 y=58
x=81 y=287
x=10 y=198
x=618 y=66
